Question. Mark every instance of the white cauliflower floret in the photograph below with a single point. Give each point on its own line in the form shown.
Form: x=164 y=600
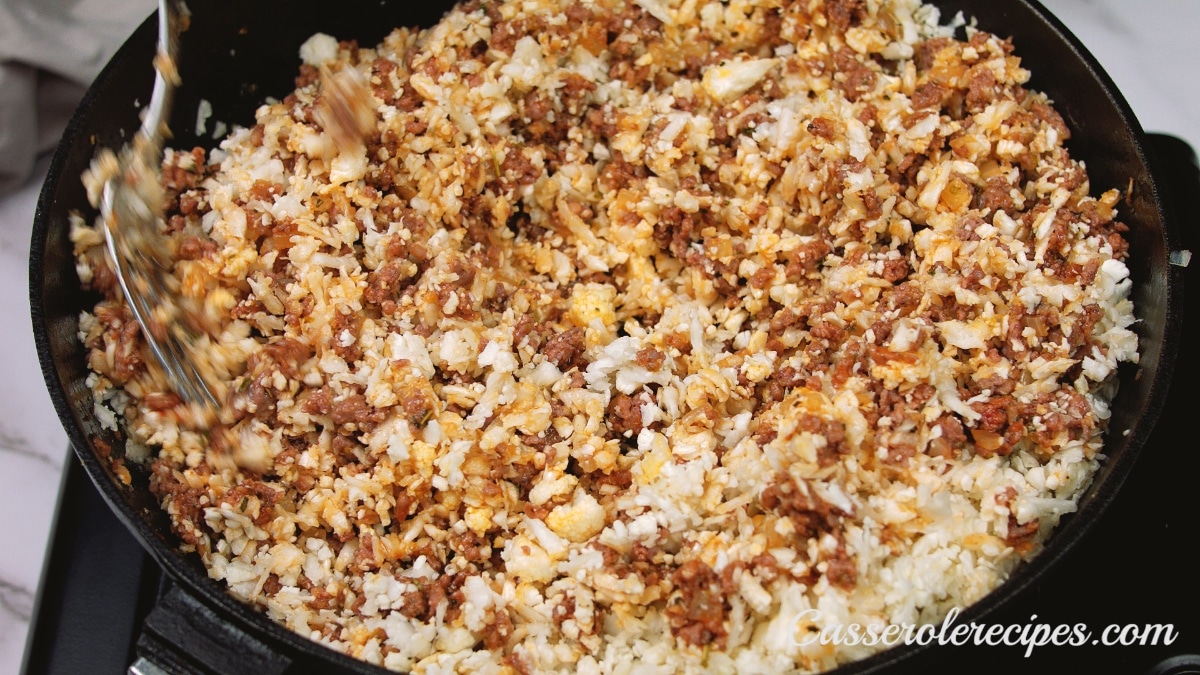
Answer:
x=728 y=80
x=579 y=520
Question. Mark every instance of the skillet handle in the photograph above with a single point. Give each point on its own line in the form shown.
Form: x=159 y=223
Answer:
x=182 y=635
x=1181 y=176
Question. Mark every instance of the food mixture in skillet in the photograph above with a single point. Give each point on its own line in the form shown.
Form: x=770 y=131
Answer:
x=624 y=332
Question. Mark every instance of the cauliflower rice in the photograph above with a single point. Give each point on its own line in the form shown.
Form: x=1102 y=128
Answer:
x=630 y=331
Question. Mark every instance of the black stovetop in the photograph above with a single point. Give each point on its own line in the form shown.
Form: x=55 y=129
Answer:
x=1135 y=567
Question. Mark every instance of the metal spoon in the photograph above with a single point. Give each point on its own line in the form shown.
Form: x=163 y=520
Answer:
x=132 y=208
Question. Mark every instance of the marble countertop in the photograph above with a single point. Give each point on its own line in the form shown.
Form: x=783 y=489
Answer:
x=1144 y=46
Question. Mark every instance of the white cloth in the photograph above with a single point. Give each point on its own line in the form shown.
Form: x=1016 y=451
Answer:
x=50 y=50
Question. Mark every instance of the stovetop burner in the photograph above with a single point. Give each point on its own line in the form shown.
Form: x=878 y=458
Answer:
x=1135 y=568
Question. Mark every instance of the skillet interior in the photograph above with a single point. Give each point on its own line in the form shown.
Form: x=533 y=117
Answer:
x=235 y=54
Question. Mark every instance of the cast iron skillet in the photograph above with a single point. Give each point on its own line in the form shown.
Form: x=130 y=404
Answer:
x=237 y=53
